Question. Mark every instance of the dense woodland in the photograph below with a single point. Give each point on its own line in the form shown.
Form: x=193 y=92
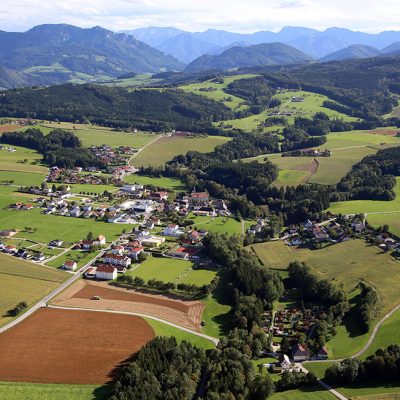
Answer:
x=116 y=107
x=382 y=367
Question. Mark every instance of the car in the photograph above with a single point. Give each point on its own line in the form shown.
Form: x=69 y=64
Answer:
x=96 y=298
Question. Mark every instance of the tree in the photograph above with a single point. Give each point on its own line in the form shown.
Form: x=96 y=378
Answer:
x=285 y=346
x=89 y=235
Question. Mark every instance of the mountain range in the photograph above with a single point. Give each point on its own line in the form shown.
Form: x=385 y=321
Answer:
x=186 y=46
x=49 y=54
x=54 y=54
x=251 y=56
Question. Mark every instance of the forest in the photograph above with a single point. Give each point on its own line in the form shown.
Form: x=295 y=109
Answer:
x=153 y=110
x=59 y=147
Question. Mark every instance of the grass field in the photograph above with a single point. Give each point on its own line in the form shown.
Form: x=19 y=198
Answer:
x=346 y=263
x=161 y=329
x=22 y=178
x=216 y=91
x=348 y=149
x=312 y=104
x=166 y=148
x=379 y=212
x=172 y=270
x=218 y=224
x=22 y=160
x=35 y=391
x=312 y=393
x=217 y=311
x=164 y=182
x=23 y=281
x=97 y=135
x=91 y=188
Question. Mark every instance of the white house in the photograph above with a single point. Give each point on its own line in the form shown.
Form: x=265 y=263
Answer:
x=106 y=272
x=132 y=188
x=100 y=241
x=172 y=230
x=70 y=265
x=134 y=253
x=118 y=250
x=115 y=259
x=284 y=362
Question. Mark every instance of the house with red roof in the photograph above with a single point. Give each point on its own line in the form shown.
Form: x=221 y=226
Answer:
x=106 y=272
x=70 y=265
x=115 y=259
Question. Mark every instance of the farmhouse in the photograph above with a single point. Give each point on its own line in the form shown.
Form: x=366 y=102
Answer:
x=284 y=362
x=134 y=252
x=106 y=272
x=10 y=249
x=199 y=199
x=300 y=352
x=70 y=265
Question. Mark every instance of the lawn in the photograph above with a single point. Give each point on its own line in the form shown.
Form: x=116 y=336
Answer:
x=172 y=270
x=23 y=281
x=36 y=391
x=166 y=148
x=215 y=91
x=161 y=329
x=346 y=263
x=81 y=258
x=218 y=224
x=163 y=182
x=91 y=188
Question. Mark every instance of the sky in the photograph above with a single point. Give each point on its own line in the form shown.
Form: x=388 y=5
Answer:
x=233 y=15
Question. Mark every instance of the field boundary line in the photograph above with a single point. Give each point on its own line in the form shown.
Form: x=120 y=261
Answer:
x=202 y=335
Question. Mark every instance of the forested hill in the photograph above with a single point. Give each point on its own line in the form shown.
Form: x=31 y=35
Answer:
x=261 y=54
x=143 y=109
x=51 y=54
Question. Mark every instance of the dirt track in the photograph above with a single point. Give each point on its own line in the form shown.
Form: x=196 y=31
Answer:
x=63 y=346
x=180 y=312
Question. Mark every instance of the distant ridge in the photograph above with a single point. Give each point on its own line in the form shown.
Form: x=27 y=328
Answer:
x=251 y=56
x=310 y=41
x=352 y=52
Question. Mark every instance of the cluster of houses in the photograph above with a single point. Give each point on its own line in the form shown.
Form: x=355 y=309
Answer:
x=257 y=228
x=332 y=232
x=308 y=153
x=109 y=156
x=74 y=176
x=8 y=148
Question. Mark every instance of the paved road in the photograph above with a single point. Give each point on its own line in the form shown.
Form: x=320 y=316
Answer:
x=202 y=335
x=51 y=295
x=323 y=384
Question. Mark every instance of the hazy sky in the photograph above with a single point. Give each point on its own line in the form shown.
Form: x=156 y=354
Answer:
x=234 y=15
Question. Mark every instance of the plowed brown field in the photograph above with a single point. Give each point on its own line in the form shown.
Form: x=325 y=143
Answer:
x=70 y=346
x=178 y=311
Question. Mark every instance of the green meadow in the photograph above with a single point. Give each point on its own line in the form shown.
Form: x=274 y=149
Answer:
x=162 y=182
x=166 y=148
x=24 y=281
x=215 y=91
x=172 y=270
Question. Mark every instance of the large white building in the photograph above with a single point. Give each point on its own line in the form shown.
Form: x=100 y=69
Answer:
x=106 y=272
x=115 y=259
